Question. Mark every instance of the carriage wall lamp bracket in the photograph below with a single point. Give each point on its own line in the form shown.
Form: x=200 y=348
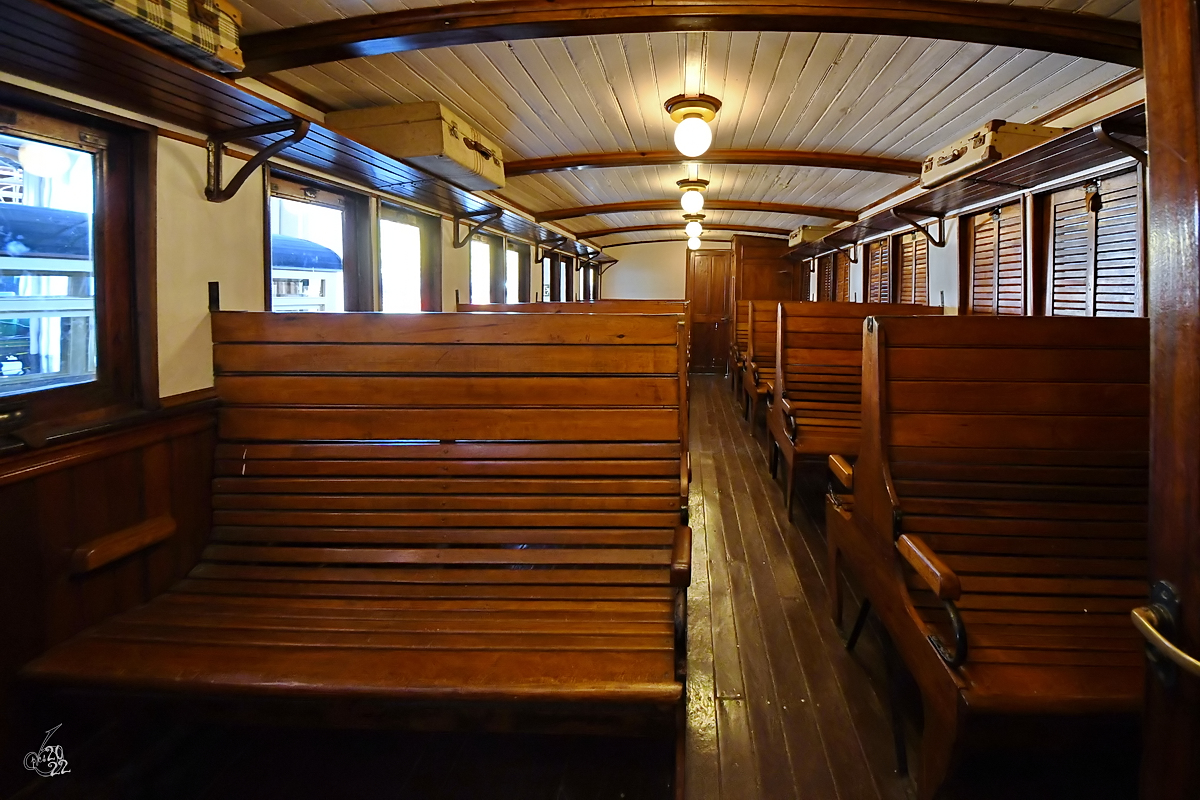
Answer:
x=489 y=216
x=1105 y=137
x=1158 y=623
x=215 y=192
x=911 y=217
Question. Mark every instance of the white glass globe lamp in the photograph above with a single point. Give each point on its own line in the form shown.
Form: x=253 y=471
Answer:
x=694 y=243
x=693 y=229
x=693 y=136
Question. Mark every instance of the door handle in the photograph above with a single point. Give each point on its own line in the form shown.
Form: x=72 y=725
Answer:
x=1161 y=614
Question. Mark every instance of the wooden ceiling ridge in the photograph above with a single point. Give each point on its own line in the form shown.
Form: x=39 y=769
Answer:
x=675 y=226
x=658 y=158
x=1074 y=34
x=713 y=205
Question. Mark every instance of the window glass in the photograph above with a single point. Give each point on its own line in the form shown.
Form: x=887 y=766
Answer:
x=307 y=237
x=47 y=266
x=512 y=276
x=399 y=266
x=546 y=298
x=481 y=271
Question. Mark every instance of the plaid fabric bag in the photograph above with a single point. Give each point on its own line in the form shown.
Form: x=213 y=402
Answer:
x=204 y=32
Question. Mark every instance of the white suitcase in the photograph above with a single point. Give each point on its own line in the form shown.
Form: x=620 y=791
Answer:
x=807 y=234
x=994 y=141
x=427 y=135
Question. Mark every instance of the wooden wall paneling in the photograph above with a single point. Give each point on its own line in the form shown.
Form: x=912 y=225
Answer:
x=60 y=497
x=759 y=271
x=1171 y=754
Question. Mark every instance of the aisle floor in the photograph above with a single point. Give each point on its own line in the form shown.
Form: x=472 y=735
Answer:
x=777 y=708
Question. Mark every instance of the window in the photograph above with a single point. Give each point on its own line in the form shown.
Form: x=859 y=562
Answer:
x=68 y=309
x=308 y=241
x=547 y=272
x=405 y=262
x=914 y=269
x=1095 y=262
x=879 y=271
x=481 y=271
x=517 y=260
x=997 y=277
x=841 y=261
x=825 y=278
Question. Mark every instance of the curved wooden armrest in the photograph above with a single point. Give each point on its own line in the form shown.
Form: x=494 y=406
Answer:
x=937 y=576
x=125 y=542
x=681 y=557
x=842 y=472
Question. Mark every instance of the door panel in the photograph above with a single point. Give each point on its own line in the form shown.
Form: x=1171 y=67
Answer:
x=708 y=295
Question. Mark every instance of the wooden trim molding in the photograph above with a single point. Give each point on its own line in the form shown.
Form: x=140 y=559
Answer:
x=1083 y=35
x=659 y=158
x=673 y=226
x=713 y=205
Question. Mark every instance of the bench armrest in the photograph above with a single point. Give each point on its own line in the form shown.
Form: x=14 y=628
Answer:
x=125 y=542
x=681 y=557
x=931 y=569
x=842 y=472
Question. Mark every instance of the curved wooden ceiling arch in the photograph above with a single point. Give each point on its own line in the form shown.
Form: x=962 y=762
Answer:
x=713 y=205
x=659 y=158
x=674 y=226
x=1082 y=35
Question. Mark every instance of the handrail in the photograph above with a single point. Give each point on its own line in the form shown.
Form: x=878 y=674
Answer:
x=1147 y=619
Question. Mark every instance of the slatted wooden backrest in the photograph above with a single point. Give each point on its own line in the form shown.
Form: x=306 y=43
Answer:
x=509 y=451
x=1018 y=451
x=586 y=307
x=741 y=327
x=761 y=316
x=819 y=369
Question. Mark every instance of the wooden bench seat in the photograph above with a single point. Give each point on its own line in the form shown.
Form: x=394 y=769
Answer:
x=1002 y=480
x=437 y=507
x=737 y=346
x=758 y=367
x=818 y=380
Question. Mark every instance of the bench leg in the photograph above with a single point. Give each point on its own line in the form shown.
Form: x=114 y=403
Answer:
x=773 y=457
x=939 y=752
x=860 y=621
x=891 y=659
x=790 y=489
x=681 y=752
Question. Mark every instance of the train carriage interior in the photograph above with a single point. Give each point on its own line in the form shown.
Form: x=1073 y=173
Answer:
x=600 y=399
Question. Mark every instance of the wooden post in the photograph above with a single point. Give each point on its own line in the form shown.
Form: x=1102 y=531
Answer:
x=1171 y=44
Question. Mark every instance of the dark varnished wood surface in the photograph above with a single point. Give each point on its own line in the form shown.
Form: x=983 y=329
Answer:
x=787 y=158
x=711 y=204
x=1072 y=34
x=1172 y=755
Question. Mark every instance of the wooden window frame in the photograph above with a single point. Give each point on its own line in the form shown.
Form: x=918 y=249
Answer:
x=359 y=281
x=889 y=268
x=524 y=252
x=431 y=252
x=968 y=232
x=899 y=247
x=124 y=269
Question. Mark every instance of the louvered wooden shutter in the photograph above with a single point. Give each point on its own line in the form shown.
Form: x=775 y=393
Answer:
x=805 y=283
x=825 y=278
x=842 y=268
x=914 y=269
x=998 y=262
x=879 y=272
x=1096 y=265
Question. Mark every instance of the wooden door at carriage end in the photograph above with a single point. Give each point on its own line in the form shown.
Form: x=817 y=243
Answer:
x=711 y=308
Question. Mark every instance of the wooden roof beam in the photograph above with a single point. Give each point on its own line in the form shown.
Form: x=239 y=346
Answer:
x=709 y=205
x=659 y=158
x=1084 y=35
x=673 y=226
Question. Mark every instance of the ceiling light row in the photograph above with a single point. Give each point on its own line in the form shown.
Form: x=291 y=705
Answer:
x=693 y=138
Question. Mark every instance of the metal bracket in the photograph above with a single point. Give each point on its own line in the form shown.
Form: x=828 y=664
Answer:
x=853 y=252
x=489 y=216
x=542 y=245
x=1106 y=138
x=1164 y=605
x=908 y=216
x=959 y=656
x=215 y=192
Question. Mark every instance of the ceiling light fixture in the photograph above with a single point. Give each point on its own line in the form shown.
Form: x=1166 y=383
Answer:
x=693 y=199
x=693 y=113
x=693 y=243
x=693 y=227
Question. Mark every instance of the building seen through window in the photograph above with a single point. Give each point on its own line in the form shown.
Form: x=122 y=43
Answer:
x=47 y=266
x=307 y=240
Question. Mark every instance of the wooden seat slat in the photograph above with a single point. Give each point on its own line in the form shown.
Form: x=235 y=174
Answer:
x=421 y=390
x=1016 y=452
x=458 y=556
x=287 y=589
x=576 y=536
x=428 y=507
